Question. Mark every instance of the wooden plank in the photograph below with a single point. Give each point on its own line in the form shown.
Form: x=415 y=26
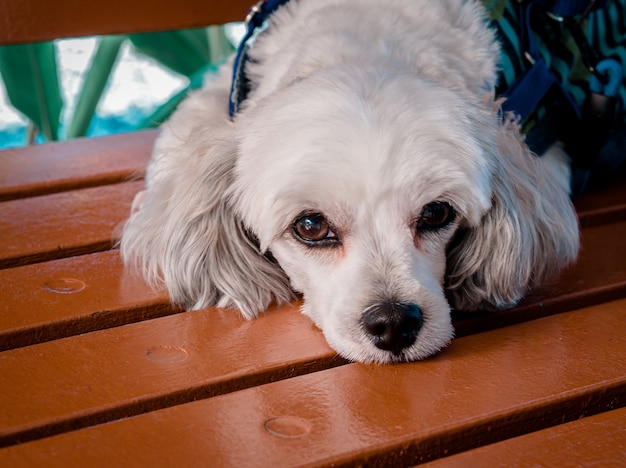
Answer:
x=110 y=374
x=39 y=20
x=55 y=167
x=594 y=441
x=63 y=224
x=72 y=296
x=602 y=205
x=482 y=389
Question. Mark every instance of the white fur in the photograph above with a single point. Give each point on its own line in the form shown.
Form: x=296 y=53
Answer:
x=365 y=111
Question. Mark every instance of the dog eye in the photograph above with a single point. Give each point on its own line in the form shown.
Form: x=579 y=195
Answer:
x=313 y=228
x=435 y=215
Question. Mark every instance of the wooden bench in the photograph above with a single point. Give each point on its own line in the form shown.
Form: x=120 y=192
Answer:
x=97 y=369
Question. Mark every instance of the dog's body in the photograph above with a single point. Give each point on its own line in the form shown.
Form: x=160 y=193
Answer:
x=365 y=170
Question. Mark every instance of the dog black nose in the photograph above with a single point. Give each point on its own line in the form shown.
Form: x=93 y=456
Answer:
x=394 y=326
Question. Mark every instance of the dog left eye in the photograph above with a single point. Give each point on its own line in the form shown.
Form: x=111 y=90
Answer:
x=313 y=228
x=435 y=215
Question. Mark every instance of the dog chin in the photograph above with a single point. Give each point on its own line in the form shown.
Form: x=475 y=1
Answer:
x=357 y=346
x=348 y=332
x=366 y=352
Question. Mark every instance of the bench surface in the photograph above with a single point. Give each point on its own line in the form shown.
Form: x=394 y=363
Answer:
x=97 y=369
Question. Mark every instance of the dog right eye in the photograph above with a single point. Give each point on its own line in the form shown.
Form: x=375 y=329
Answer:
x=435 y=215
x=314 y=229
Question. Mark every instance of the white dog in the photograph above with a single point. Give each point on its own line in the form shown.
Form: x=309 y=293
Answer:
x=366 y=170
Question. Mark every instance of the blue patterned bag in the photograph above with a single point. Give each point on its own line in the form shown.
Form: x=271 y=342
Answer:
x=563 y=71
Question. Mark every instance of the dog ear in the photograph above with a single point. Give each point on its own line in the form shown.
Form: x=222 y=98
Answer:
x=186 y=236
x=529 y=233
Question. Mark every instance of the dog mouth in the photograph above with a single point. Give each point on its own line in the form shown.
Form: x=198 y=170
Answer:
x=393 y=326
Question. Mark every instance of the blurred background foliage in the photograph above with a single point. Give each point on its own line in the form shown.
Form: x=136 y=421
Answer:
x=31 y=77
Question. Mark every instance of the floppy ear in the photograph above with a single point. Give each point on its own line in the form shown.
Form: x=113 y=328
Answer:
x=529 y=233
x=186 y=236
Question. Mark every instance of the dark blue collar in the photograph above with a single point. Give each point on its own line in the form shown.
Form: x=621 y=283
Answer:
x=240 y=85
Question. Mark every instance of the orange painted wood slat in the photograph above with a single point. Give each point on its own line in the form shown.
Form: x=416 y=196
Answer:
x=594 y=441
x=38 y=20
x=63 y=224
x=602 y=205
x=55 y=167
x=71 y=296
x=105 y=375
x=482 y=389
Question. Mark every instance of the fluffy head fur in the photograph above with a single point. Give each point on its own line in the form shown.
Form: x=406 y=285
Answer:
x=367 y=115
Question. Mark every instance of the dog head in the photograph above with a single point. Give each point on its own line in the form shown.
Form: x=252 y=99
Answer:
x=372 y=192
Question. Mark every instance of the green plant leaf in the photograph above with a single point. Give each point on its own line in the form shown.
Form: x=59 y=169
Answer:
x=94 y=83
x=197 y=52
x=220 y=46
x=30 y=76
x=163 y=112
x=185 y=51
x=181 y=51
